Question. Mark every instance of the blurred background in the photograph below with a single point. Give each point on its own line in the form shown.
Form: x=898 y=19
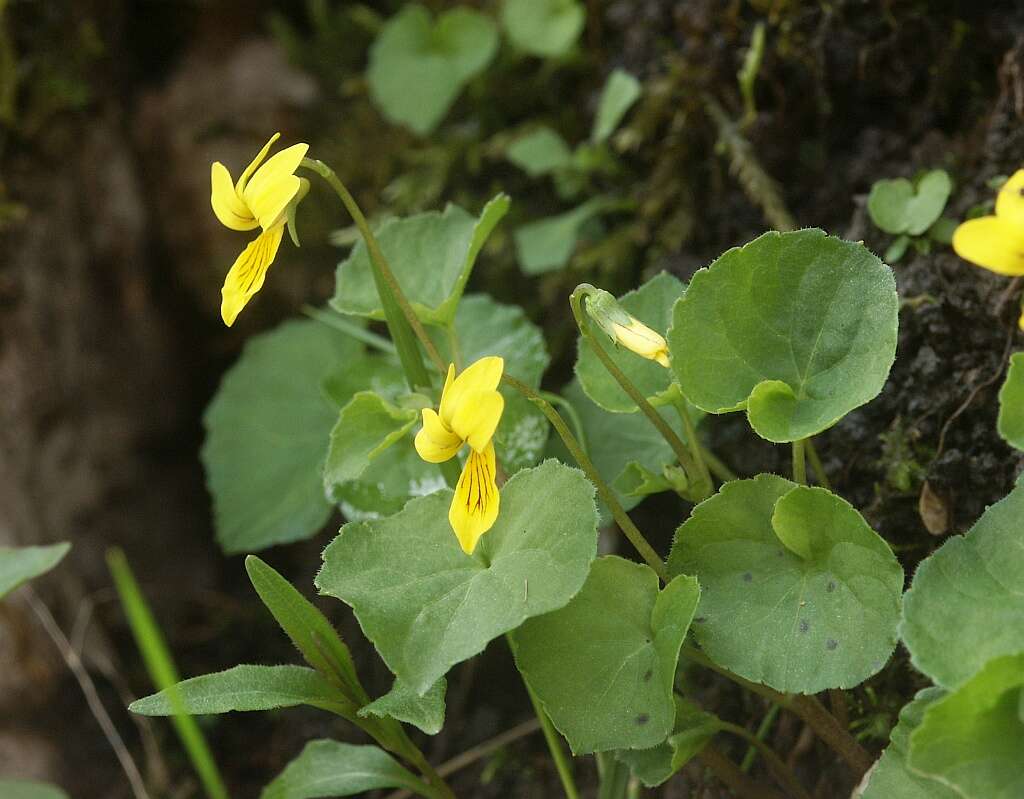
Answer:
x=111 y=342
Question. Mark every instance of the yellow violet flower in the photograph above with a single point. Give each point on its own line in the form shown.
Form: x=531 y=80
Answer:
x=260 y=198
x=470 y=410
x=625 y=329
x=996 y=242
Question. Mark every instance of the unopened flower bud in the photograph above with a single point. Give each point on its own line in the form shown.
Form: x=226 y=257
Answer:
x=625 y=329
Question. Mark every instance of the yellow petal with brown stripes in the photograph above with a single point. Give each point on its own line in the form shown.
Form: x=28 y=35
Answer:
x=248 y=273
x=474 y=507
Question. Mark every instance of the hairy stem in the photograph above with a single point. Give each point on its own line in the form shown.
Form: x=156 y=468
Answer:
x=683 y=454
x=800 y=462
x=630 y=530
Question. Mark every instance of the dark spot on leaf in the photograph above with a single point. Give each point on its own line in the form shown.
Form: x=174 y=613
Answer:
x=699 y=619
x=747 y=577
x=648 y=674
x=804 y=625
x=831 y=644
x=642 y=719
x=831 y=586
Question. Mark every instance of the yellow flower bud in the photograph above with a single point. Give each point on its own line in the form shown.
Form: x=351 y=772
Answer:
x=625 y=329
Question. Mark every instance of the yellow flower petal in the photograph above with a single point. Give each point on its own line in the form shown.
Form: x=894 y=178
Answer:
x=483 y=375
x=474 y=507
x=993 y=243
x=435 y=443
x=639 y=338
x=477 y=416
x=279 y=165
x=1010 y=200
x=270 y=204
x=248 y=273
x=247 y=173
x=229 y=208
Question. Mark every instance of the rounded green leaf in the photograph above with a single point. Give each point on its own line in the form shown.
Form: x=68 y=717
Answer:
x=620 y=91
x=604 y=665
x=694 y=728
x=651 y=304
x=545 y=28
x=327 y=768
x=266 y=436
x=366 y=427
x=965 y=605
x=546 y=245
x=799 y=328
x=426 y=605
x=891 y=777
x=431 y=255
x=418 y=66
x=798 y=592
x=1011 y=403
x=897 y=207
x=973 y=738
x=540 y=151
x=20 y=564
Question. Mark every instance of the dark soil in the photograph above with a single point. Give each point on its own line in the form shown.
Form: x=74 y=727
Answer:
x=110 y=344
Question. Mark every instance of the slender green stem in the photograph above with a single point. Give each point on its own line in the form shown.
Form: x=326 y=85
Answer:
x=824 y=724
x=614 y=776
x=683 y=409
x=718 y=467
x=819 y=469
x=636 y=538
x=782 y=773
x=570 y=411
x=762 y=731
x=554 y=742
x=799 y=461
x=678 y=447
x=394 y=302
x=351 y=330
x=403 y=324
x=453 y=345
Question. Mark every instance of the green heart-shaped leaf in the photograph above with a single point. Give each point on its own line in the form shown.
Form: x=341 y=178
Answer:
x=1011 y=403
x=545 y=28
x=801 y=623
x=418 y=67
x=965 y=604
x=431 y=255
x=891 y=777
x=799 y=328
x=694 y=728
x=973 y=738
x=897 y=207
x=539 y=152
x=651 y=304
x=327 y=769
x=604 y=665
x=426 y=605
x=546 y=245
x=366 y=426
x=20 y=564
x=266 y=436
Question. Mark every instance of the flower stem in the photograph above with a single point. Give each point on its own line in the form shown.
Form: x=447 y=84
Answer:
x=636 y=538
x=800 y=462
x=570 y=411
x=683 y=409
x=683 y=454
x=731 y=776
x=394 y=302
x=819 y=469
x=403 y=324
x=554 y=742
x=783 y=774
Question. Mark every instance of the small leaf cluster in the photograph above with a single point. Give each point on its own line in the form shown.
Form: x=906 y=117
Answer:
x=912 y=212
